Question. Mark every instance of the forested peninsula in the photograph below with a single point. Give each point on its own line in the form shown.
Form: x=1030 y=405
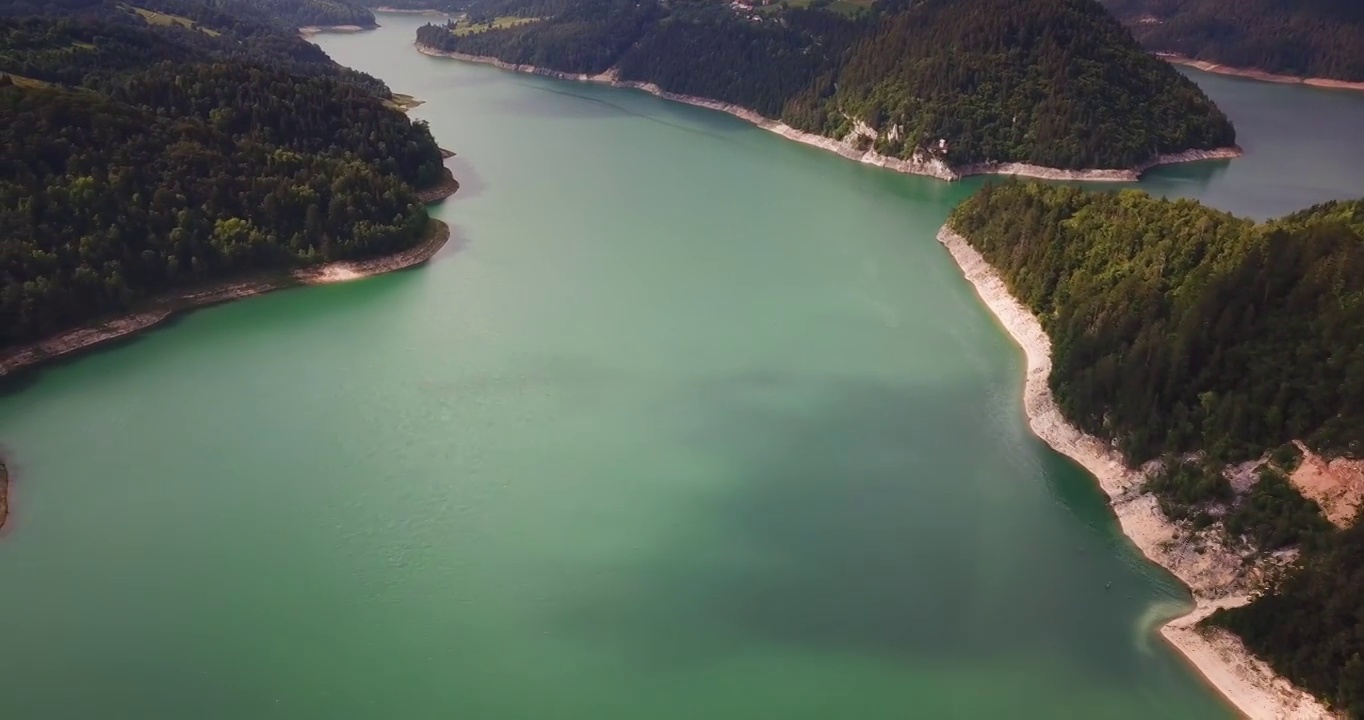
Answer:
x=1319 y=41
x=1052 y=88
x=157 y=149
x=1210 y=371
x=176 y=153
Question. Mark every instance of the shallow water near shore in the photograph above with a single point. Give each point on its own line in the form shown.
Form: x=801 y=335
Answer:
x=687 y=421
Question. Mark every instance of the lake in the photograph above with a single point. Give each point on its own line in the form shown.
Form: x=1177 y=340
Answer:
x=687 y=421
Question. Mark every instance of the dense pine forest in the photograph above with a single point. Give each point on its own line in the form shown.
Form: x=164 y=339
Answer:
x=1178 y=329
x=167 y=144
x=1309 y=38
x=214 y=14
x=1058 y=83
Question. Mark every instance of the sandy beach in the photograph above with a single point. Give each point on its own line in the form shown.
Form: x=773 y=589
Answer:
x=1260 y=74
x=91 y=336
x=1215 y=575
x=920 y=164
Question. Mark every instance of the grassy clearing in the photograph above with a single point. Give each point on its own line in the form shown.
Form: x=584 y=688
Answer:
x=158 y=18
x=498 y=23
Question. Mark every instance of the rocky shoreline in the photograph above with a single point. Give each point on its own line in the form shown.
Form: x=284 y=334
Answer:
x=922 y=165
x=307 y=30
x=1216 y=575
x=1261 y=75
x=92 y=336
x=447 y=186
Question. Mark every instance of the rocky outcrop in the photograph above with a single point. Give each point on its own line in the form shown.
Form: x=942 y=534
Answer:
x=1336 y=485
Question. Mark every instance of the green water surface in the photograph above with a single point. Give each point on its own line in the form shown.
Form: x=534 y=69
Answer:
x=688 y=421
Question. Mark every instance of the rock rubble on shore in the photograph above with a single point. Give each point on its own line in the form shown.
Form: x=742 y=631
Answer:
x=1216 y=575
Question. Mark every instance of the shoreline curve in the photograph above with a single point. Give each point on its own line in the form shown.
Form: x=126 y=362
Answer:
x=1261 y=75
x=307 y=30
x=927 y=166
x=89 y=337
x=1199 y=561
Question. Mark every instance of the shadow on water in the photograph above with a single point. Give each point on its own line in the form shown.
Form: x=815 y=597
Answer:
x=580 y=105
x=849 y=525
x=471 y=183
x=588 y=102
x=1185 y=179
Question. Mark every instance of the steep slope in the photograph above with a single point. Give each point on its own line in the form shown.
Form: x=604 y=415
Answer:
x=1183 y=334
x=144 y=156
x=1303 y=38
x=971 y=83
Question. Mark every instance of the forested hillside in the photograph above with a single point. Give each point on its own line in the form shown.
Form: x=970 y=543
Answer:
x=298 y=13
x=1308 y=38
x=56 y=41
x=143 y=154
x=1179 y=329
x=1057 y=83
x=214 y=14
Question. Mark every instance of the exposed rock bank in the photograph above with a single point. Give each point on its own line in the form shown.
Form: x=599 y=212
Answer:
x=91 y=336
x=307 y=30
x=1336 y=485
x=921 y=164
x=1216 y=575
x=1254 y=74
x=445 y=188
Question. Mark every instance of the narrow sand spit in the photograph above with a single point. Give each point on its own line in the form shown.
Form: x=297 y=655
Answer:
x=73 y=341
x=921 y=164
x=1254 y=74
x=1217 y=576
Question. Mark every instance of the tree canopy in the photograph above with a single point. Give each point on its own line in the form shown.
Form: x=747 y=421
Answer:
x=1057 y=83
x=1182 y=331
x=1308 y=38
x=142 y=154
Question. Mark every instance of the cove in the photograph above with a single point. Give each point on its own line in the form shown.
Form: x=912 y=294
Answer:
x=685 y=421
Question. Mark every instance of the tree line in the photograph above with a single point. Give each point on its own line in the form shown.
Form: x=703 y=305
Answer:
x=1183 y=333
x=141 y=158
x=1052 y=82
x=1308 y=38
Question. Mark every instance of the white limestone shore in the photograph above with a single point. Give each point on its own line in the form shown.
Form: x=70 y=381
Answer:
x=1261 y=75
x=307 y=30
x=921 y=164
x=1217 y=576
